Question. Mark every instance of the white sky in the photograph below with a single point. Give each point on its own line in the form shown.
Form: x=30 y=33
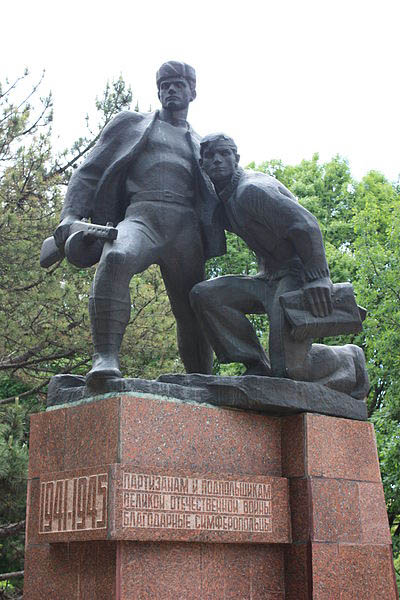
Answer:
x=284 y=78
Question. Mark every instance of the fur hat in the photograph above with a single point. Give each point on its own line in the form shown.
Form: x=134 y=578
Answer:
x=174 y=68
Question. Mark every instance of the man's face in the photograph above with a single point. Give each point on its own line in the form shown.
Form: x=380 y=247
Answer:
x=175 y=93
x=219 y=161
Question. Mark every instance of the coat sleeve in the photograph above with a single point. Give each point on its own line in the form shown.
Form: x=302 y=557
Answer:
x=79 y=199
x=273 y=206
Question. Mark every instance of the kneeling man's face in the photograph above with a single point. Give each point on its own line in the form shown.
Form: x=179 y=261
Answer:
x=219 y=161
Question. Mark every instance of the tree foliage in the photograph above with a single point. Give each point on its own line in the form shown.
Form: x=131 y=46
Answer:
x=13 y=467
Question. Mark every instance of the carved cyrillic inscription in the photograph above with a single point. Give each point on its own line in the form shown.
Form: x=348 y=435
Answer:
x=75 y=504
x=167 y=502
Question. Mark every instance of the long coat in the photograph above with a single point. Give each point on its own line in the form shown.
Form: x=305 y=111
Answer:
x=97 y=188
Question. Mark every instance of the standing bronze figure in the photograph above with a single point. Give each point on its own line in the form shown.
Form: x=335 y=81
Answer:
x=143 y=177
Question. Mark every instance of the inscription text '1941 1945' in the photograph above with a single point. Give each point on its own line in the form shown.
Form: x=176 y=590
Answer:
x=167 y=502
x=75 y=504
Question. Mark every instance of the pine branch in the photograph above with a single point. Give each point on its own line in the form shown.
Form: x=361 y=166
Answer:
x=11 y=529
x=28 y=363
x=47 y=105
x=28 y=393
x=12 y=86
x=5 y=576
x=71 y=163
x=25 y=100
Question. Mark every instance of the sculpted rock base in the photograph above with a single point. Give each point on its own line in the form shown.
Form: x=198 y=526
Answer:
x=269 y=395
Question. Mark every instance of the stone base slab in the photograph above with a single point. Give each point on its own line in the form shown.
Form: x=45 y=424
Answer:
x=331 y=537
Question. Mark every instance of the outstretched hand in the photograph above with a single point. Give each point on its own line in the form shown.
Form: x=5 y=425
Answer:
x=318 y=294
x=61 y=234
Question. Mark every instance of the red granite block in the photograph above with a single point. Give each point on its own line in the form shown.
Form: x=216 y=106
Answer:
x=335 y=511
x=97 y=568
x=297 y=571
x=92 y=434
x=366 y=572
x=325 y=573
x=374 y=520
x=300 y=509
x=51 y=572
x=47 y=442
x=199 y=571
x=293 y=446
x=149 y=570
x=65 y=571
x=242 y=571
x=212 y=564
x=349 y=571
x=232 y=579
x=172 y=435
x=341 y=448
x=267 y=571
x=32 y=511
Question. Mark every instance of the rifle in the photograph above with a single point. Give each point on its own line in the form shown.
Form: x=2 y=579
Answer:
x=83 y=247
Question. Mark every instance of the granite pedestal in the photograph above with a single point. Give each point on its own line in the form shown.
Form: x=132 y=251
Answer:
x=134 y=496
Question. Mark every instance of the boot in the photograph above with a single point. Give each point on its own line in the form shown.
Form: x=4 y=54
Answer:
x=109 y=318
x=259 y=368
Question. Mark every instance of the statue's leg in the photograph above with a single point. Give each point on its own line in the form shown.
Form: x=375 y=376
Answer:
x=179 y=278
x=221 y=305
x=340 y=368
x=135 y=249
x=289 y=358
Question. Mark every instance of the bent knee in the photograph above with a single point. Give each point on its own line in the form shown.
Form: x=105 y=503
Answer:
x=114 y=263
x=114 y=257
x=200 y=294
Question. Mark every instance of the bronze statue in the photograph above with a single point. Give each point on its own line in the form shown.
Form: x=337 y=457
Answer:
x=288 y=243
x=143 y=177
x=145 y=196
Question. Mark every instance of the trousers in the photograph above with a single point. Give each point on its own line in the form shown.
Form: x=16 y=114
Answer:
x=222 y=305
x=153 y=232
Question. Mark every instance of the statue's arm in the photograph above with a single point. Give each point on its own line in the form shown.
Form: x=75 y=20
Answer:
x=81 y=190
x=291 y=221
x=306 y=237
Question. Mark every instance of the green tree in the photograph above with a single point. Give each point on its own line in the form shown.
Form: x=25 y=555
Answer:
x=13 y=465
x=377 y=227
x=377 y=248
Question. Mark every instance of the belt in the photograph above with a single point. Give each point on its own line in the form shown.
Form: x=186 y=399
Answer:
x=162 y=196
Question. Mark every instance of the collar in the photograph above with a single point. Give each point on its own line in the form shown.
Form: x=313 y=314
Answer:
x=229 y=189
x=189 y=128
